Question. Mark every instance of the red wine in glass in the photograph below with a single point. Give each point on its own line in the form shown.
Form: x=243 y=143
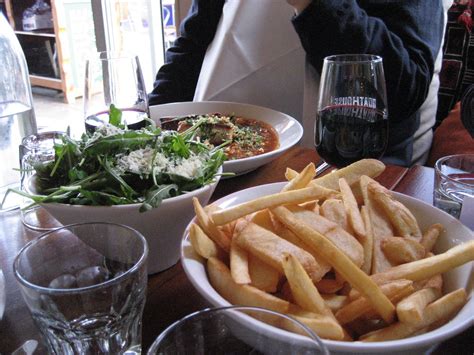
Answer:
x=345 y=134
x=351 y=120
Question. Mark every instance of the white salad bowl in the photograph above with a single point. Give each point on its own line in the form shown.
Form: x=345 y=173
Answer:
x=162 y=227
x=455 y=233
x=289 y=130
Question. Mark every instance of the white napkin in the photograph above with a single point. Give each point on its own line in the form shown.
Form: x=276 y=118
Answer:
x=255 y=58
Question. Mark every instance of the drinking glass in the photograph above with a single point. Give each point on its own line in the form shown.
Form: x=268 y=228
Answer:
x=84 y=285
x=114 y=78
x=454 y=183
x=351 y=122
x=237 y=330
x=36 y=150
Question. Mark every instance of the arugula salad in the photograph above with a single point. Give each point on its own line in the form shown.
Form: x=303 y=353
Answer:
x=116 y=166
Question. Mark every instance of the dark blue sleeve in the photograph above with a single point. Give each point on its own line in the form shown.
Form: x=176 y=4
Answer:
x=407 y=34
x=177 y=78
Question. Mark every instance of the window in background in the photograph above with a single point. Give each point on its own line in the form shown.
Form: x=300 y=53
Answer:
x=169 y=22
x=141 y=27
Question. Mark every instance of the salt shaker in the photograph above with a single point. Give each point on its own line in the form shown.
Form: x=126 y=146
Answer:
x=35 y=150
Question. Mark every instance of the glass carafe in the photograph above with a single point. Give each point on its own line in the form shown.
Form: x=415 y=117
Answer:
x=17 y=118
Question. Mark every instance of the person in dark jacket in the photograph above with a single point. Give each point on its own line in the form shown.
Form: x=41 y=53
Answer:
x=406 y=34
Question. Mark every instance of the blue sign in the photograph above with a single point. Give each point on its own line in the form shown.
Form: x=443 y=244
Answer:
x=168 y=15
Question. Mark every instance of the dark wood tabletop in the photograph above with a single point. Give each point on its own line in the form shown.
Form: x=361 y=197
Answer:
x=170 y=295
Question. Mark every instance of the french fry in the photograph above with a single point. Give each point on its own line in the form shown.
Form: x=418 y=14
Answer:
x=202 y=244
x=324 y=326
x=361 y=305
x=395 y=299
x=208 y=226
x=433 y=282
x=263 y=276
x=239 y=264
x=352 y=209
x=239 y=225
x=344 y=234
x=302 y=179
x=430 y=266
x=245 y=295
x=410 y=309
x=311 y=206
x=367 y=241
x=380 y=226
x=263 y=219
x=347 y=243
x=303 y=290
x=329 y=285
x=332 y=255
x=288 y=197
x=351 y=173
x=439 y=310
x=334 y=210
x=271 y=249
x=429 y=238
x=289 y=236
x=335 y=302
x=402 y=250
x=400 y=216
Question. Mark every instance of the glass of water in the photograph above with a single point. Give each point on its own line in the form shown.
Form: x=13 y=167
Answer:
x=85 y=287
x=238 y=330
x=454 y=183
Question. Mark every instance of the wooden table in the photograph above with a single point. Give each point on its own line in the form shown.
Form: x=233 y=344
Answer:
x=170 y=295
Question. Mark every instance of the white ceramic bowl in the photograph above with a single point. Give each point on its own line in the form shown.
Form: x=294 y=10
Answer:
x=162 y=227
x=289 y=130
x=463 y=276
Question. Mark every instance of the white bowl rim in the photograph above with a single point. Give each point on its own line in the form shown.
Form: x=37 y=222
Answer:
x=165 y=202
x=280 y=149
x=415 y=342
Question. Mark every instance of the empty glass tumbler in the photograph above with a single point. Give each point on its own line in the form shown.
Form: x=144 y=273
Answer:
x=454 y=186
x=85 y=287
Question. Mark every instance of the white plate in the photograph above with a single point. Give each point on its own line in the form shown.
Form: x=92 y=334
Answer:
x=289 y=130
x=455 y=233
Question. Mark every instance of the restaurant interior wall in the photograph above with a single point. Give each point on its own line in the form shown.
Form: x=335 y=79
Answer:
x=145 y=27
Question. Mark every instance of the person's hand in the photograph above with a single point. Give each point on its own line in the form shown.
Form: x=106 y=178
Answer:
x=299 y=5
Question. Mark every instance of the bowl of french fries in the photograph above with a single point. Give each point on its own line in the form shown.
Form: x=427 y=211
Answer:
x=369 y=270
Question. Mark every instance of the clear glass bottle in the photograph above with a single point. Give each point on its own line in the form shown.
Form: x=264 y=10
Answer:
x=17 y=118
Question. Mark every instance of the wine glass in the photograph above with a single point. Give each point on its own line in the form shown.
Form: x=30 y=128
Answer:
x=238 y=330
x=114 y=78
x=352 y=119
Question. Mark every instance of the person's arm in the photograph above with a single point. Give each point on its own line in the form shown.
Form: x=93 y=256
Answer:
x=406 y=34
x=177 y=78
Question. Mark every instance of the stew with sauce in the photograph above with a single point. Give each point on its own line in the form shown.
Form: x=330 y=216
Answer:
x=241 y=137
